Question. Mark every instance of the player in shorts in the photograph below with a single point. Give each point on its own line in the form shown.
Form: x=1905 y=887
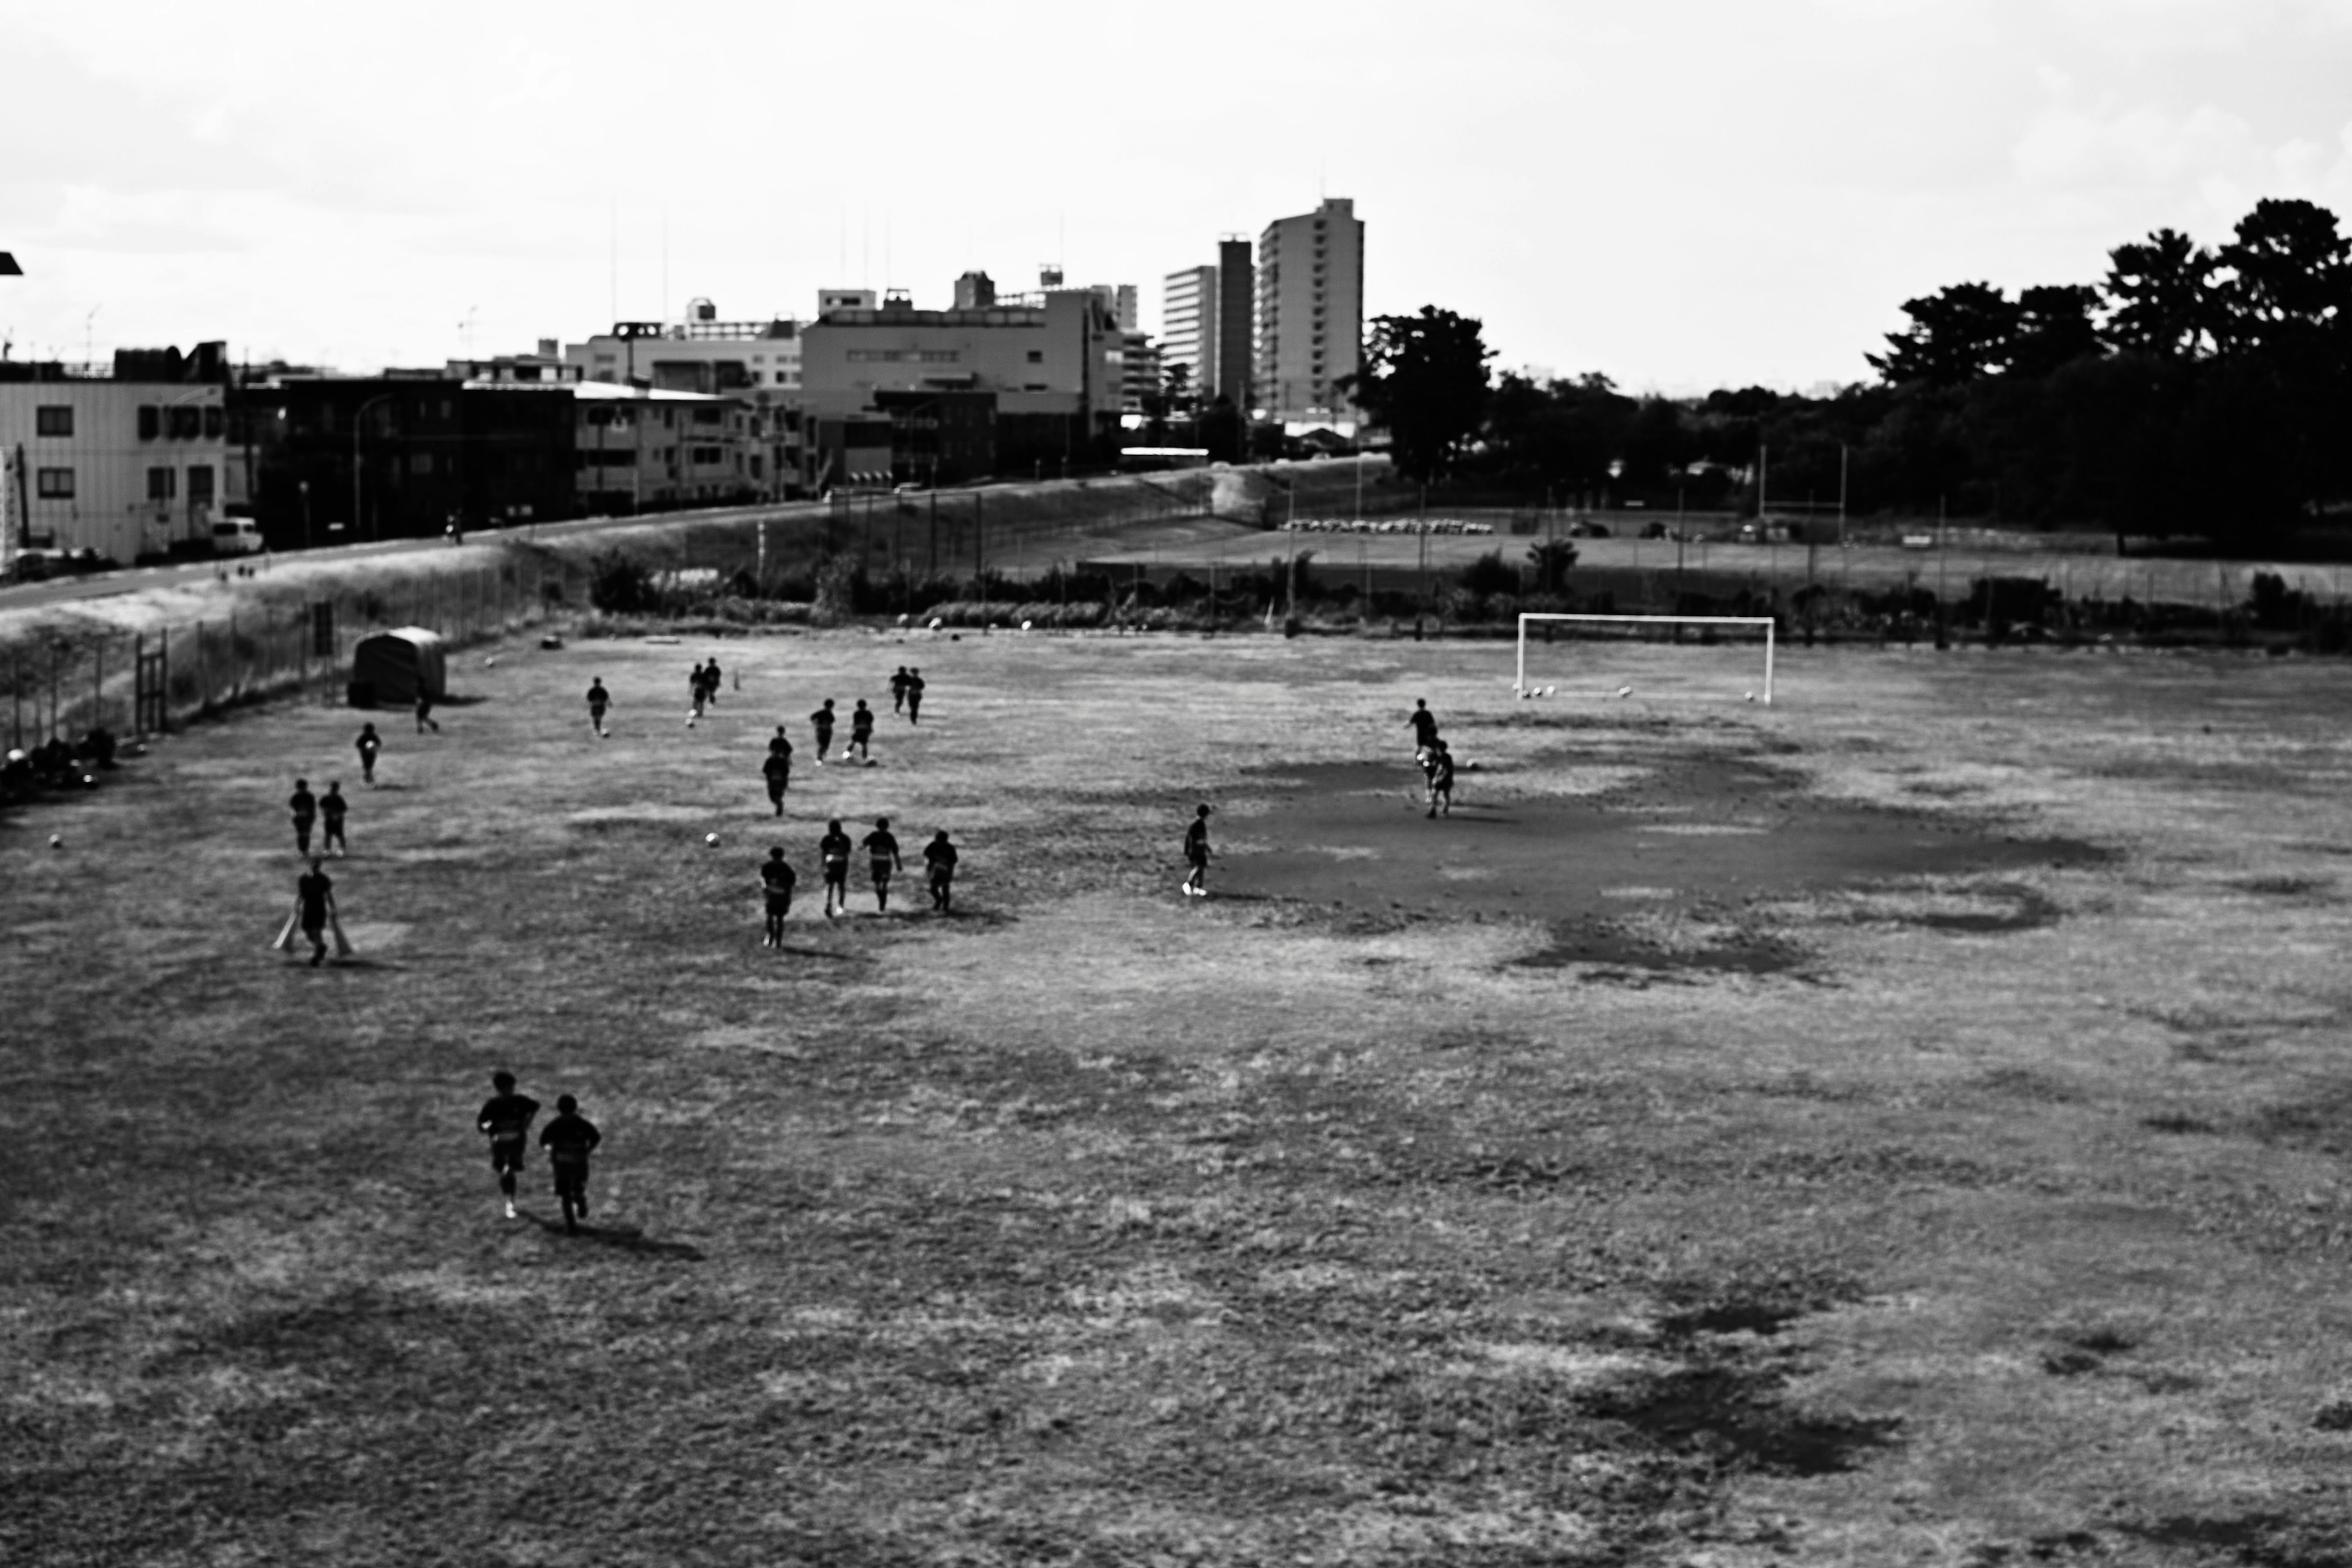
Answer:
x=914 y=697
x=425 y=720
x=598 y=701
x=776 y=880
x=1424 y=725
x=694 y=694
x=941 y=856
x=822 y=721
x=711 y=679
x=882 y=856
x=861 y=733
x=368 y=745
x=778 y=771
x=506 y=1121
x=1440 y=779
x=832 y=853
x=568 y=1139
x=898 y=690
x=304 y=807
x=1196 y=854
x=314 y=896
x=332 y=809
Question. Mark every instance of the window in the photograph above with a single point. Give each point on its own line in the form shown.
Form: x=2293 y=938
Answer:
x=162 y=484
x=53 y=419
x=54 y=484
x=184 y=423
x=1036 y=356
x=216 y=421
x=200 y=484
x=151 y=422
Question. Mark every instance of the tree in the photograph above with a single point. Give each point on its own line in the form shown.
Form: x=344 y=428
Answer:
x=2290 y=277
x=1960 y=334
x=1425 y=381
x=2053 y=328
x=2160 y=297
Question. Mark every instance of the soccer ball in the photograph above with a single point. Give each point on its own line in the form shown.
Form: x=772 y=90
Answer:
x=1624 y=692
x=711 y=839
x=1549 y=689
x=935 y=623
x=1748 y=696
x=1024 y=626
x=57 y=840
x=490 y=662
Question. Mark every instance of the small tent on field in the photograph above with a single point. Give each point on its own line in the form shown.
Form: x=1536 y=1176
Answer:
x=391 y=667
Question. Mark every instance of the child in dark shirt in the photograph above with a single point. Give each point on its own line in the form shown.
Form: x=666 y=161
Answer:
x=505 y=1120
x=567 y=1140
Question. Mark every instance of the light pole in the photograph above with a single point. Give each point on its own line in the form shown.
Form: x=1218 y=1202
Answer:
x=359 y=425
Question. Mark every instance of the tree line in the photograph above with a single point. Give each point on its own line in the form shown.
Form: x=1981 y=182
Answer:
x=2192 y=390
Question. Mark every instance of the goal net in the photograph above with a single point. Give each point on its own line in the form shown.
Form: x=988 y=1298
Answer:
x=1698 y=658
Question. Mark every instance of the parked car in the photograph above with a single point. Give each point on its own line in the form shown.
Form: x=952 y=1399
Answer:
x=31 y=566
x=237 y=536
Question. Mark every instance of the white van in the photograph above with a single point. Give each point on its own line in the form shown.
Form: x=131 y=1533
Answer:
x=236 y=536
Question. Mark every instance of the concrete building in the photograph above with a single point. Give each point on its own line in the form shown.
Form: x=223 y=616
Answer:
x=650 y=450
x=1141 y=366
x=1310 y=317
x=546 y=367
x=131 y=460
x=1207 y=322
x=700 y=354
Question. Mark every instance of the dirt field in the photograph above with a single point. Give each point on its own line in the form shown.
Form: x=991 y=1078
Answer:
x=1904 y=1125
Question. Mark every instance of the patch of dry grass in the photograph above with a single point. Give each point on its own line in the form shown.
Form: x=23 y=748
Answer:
x=1097 y=1225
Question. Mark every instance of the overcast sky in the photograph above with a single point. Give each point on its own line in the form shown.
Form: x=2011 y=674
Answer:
x=1682 y=193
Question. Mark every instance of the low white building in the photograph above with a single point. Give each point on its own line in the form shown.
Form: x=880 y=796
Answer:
x=129 y=464
x=701 y=354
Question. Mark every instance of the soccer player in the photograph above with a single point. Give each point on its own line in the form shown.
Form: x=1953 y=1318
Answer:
x=861 y=734
x=425 y=720
x=822 y=719
x=914 y=697
x=694 y=690
x=882 y=852
x=368 y=745
x=1424 y=725
x=567 y=1139
x=1440 y=779
x=940 y=856
x=898 y=690
x=710 y=682
x=314 y=898
x=598 y=701
x=776 y=880
x=832 y=851
x=1196 y=853
x=331 y=807
x=778 y=771
x=304 y=807
x=505 y=1120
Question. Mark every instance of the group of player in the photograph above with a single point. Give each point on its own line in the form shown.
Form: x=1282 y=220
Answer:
x=505 y=1120
x=1436 y=759
x=777 y=877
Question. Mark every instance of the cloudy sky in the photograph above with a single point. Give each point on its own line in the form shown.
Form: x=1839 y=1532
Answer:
x=1682 y=193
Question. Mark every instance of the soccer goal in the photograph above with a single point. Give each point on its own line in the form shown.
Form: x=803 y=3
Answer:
x=1703 y=657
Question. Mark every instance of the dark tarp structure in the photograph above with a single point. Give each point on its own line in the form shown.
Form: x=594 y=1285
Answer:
x=390 y=668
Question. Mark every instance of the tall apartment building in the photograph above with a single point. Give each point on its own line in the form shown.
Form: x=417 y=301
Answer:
x=1310 y=315
x=1206 y=323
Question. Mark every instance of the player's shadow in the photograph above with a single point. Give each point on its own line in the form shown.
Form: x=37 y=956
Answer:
x=820 y=952
x=460 y=700
x=621 y=1239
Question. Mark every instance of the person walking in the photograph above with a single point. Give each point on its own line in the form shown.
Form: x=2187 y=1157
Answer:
x=332 y=805
x=882 y=854
x=304 y=807
x=833 y=856
x=898 y=690
x=914 y=695
x=776 y=880
x=1440 y=779
x=711 y=679
x=425 y=720
x=1196 y=854
x=505 y=1120
x=598 y=701
x=368 y=745
x=941 y=856
x=1423 y=724
x=861 y=734
x=822 y=721
x=314 y=907
x=569 y=1139
x=777 y=769
x=697 y=687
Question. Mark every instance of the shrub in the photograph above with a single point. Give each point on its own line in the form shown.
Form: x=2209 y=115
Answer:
x=621 y=585
x=1490 y=575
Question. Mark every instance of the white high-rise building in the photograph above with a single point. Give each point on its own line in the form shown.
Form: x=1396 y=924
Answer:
x=1188 y=325
x=1310 y=315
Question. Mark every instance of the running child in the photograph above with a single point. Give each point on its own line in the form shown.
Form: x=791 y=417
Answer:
x=598 y=701
x=694 y=691
x=1424 y=725
x=304 y=807
x=832 y=852
x=1196 y=854
x=822 y=721
x=778 y=771
x=331 y=808
x=425 y=720
x=505 y=1120
x=776 y=880
x=1441 y=780
x=940 y=856
x=710 y=682
x=568 y=1139
x=882 y=852
x=898 y=690
x=861 y=734
x=314 y=896
x=368 y=745
x=914 y=697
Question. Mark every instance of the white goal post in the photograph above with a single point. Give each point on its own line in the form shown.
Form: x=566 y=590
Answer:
x=1519 y=685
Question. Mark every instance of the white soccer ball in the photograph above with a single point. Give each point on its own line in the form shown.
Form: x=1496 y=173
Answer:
x=1748 y=696
x=711 y=839
x=1624 y=692
x=57 y=840
x=490 y=662
x=1549 y=689
x=935 y=623
x=1024 y=626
